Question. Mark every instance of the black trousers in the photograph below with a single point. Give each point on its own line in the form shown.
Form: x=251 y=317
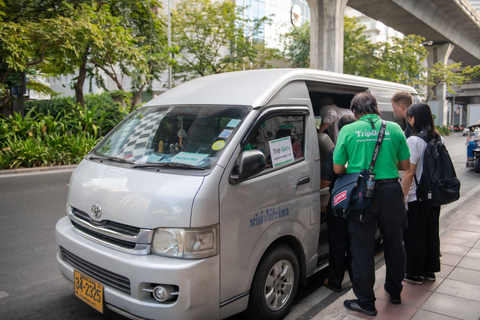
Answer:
x=422 y=239
x=388 y=210
x=339 y=254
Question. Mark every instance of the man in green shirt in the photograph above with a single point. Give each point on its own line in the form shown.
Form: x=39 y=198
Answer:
x=355 y=145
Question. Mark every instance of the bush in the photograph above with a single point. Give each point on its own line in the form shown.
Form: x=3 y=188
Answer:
x=56 y=131
x=48 y=150
x=444 y=131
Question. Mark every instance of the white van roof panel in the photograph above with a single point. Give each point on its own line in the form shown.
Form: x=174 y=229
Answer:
x=256 y=87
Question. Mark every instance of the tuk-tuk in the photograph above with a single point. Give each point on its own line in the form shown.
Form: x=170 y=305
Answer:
x=473 y=147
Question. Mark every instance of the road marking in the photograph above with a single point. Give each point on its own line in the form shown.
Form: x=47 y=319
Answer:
x=3 y=294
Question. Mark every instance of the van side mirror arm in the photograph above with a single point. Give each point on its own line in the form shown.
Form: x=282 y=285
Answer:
x=250 y=162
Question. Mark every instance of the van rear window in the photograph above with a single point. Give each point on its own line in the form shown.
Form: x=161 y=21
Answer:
x=175 y=136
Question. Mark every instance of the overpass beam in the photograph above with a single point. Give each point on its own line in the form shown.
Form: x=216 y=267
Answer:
x=439 y=106
x=326 y=34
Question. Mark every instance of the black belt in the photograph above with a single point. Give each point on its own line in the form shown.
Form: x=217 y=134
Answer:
x=388 y=180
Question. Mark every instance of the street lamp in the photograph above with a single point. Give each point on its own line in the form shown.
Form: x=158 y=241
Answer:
x=428 y=43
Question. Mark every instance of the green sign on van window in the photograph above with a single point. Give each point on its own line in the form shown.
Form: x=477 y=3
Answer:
x=281 y=151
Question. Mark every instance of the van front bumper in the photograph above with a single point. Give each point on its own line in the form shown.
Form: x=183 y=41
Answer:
x=197 y=280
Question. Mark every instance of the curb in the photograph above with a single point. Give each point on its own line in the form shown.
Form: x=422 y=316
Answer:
x=37 y=169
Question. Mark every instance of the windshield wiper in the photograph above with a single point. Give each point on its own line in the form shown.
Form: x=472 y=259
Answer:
x=168 y=164
x=110 y=159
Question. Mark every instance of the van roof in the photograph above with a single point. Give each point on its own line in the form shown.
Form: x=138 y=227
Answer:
x=256 y=87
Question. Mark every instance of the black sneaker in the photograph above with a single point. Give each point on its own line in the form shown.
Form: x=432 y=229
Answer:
x=430 y=276
x=413 y=279
x=394 y=298
x=354 y=306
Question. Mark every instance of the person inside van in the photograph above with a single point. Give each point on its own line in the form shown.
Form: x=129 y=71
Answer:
x=339 y=254
x=331 y=114
x=387 y=209
x=401 y=101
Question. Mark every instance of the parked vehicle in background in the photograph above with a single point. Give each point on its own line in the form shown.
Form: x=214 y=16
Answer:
x=473 y=146
x=206 y=201
x=465 y=132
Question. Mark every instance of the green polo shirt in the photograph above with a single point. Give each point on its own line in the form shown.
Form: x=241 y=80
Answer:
x=356 y=143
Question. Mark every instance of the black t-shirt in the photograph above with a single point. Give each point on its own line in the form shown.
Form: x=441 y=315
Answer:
x=408 y=130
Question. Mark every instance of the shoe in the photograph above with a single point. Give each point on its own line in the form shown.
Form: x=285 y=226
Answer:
x=413 y=279
x=393 y=298
x=330 y=287
x=430 y=276
x=354 y=306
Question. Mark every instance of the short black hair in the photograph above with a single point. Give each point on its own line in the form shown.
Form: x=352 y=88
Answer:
x=346 y=119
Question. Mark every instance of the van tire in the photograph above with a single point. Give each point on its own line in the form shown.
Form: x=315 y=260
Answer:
x=274 y=285
x=477 y=164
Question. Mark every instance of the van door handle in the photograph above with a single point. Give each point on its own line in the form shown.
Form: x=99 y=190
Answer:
x=303 y=180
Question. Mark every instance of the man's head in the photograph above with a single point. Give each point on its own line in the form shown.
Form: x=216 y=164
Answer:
x=400 y=103
x=364 y=103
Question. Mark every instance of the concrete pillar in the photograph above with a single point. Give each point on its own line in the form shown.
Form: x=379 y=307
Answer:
x=326 y=34
x=439 y=105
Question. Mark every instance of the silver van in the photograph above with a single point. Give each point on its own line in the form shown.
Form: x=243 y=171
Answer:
x=206 y=201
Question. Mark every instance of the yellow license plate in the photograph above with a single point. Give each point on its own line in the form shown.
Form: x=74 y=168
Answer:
x=89 y=290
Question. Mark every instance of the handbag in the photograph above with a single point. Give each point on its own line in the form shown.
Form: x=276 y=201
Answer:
x=349 y=190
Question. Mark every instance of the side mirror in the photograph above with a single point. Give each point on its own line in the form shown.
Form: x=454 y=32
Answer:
x=250 y=162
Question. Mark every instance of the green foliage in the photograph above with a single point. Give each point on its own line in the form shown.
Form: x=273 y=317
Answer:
x=47 y=150
x=444 y=130
x=56 y=131
x=202 y=29
x=297 y=46
x=451 y=74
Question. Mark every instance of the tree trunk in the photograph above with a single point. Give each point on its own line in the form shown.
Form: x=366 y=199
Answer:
x=82 y=75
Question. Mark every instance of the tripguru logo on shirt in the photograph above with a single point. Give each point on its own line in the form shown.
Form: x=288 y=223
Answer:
x=371 y=134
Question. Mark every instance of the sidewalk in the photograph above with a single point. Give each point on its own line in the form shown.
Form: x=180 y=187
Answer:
x=456 y=292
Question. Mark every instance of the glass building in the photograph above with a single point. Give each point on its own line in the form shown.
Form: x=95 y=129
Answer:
x=284 y=14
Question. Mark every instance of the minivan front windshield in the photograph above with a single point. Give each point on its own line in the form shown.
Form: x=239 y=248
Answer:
x=172 y=136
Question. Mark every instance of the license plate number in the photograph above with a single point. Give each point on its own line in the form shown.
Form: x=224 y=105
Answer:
x=89 y=290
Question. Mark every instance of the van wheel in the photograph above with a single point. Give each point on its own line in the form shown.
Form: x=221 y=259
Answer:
x=477 y=165
x=274 y=285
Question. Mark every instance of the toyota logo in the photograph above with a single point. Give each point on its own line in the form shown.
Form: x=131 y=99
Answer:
x=96 y=211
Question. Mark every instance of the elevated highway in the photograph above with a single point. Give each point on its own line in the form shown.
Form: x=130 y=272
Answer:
x=440 y=21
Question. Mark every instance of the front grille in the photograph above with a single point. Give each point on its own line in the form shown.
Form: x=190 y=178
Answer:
x=115 y=235
x=101 y=275
x=118 y=227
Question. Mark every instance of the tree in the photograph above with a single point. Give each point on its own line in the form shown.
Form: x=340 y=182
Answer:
x=397 y=60
x=66 y=37
x=213 y=37
x=145 y=59
x=297 y=46
x=451 y=75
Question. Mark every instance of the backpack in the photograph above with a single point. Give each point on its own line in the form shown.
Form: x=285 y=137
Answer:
x=439 y=183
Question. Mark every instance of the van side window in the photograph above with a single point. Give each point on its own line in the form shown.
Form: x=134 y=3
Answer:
x=280 y=138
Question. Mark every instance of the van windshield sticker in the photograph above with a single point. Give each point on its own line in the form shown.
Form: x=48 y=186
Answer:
x=281 y=151
x=233 y=123
x=225 y=133
x=218 y=145
x=189 y=158
x=268 y=215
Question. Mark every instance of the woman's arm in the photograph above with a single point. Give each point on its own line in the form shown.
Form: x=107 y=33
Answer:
x=408 y=179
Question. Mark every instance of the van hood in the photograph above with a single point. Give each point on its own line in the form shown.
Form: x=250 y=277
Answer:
x=134 y=197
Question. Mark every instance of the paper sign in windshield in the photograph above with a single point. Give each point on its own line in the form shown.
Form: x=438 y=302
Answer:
x=233 y=123
x=189 y=158
x=281 y=151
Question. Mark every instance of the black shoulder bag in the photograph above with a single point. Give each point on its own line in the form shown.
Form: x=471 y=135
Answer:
x=350 y=190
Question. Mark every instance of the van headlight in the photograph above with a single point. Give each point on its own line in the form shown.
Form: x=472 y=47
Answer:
x=191 y=243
